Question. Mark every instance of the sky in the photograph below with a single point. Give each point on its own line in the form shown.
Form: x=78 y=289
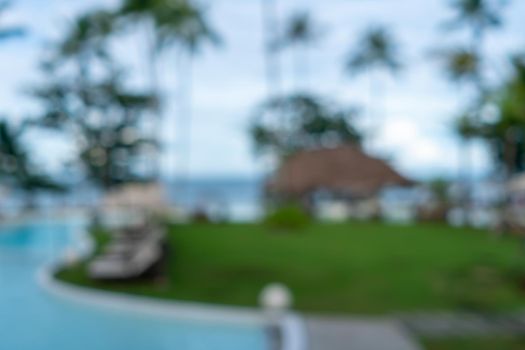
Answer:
x=410 y=124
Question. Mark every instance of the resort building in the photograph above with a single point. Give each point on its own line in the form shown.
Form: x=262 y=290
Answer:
x=339 y=183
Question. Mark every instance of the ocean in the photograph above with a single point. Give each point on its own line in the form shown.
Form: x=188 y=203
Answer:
x=233 y=199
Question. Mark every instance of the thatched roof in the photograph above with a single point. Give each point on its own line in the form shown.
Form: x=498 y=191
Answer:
x=345 y=169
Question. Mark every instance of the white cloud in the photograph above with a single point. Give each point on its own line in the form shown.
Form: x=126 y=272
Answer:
x=417 y=108
x=416 y=152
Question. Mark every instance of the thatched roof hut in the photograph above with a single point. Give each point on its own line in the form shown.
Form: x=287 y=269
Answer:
x=346 y=170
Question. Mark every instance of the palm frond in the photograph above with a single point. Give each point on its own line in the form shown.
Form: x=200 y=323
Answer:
x=184 y=24
x=477 y=14
x=460 y=64
x=301 y=29
x=377 y=49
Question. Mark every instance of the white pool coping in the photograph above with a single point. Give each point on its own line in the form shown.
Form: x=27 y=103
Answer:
x=291 y=325
x=149 y=306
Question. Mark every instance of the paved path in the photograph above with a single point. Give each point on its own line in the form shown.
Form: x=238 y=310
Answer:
x=358 y=334
x=399 y=332
x=463 y=324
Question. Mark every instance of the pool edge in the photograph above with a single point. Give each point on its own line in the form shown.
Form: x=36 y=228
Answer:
x=291 y=325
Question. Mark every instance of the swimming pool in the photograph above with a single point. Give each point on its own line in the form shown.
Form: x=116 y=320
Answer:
x=32 y=319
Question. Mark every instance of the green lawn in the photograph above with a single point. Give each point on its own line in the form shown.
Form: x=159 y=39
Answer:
x=365 y=268
x=498 y=343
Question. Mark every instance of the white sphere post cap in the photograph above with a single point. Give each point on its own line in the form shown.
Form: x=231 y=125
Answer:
x=276 y=296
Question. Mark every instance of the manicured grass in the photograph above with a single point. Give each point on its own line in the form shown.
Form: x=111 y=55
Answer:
x=497 y=343
x=364 y=268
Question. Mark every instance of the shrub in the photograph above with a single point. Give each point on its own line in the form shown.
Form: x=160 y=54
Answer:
x=288 y=217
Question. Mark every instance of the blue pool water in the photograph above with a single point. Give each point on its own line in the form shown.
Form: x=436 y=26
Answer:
x=31 y=319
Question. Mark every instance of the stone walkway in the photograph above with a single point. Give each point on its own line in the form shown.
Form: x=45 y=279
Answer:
x=401 y=332
x=357 y=334
x=463 y=324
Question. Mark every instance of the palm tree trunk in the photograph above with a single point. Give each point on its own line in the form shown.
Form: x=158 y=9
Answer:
x=152 y=61
x=510 y=148
x=183 y=126
x=477 y=49
x=306 y=67
x=271 y=25
x=302 y=67
x=270 y=29
x=186 y=102
x=298 y=68
x=374 y=101
x=468 y=180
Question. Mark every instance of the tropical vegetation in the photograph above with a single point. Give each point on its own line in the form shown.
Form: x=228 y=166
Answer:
x=85 y=91
x=293 y=123
x=18 y=169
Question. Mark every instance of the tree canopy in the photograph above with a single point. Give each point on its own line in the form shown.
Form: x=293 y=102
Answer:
x=377 y=49
x=16 y=167
x=507 y=133
x=285 y=125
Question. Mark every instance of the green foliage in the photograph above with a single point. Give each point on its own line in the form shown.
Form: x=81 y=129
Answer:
x=288 y=217
x=179 y=23
x=467 y=64
x=467 y=126
x=86 y=97
x=101 y=238
x=111 y=147
x=87 y=36
x=16 y=167
x=506 y=134
x=292 y=123
x=377 y=50
x=184 y=24
x=440 y=190
x=301 y=29
x=478 y=15
x=460 y=64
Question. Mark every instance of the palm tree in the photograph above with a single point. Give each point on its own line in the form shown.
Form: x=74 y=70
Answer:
x=85 y=94
x=315 y=123
x=8 y=32
x=184 y=26
x=300 y=33
x=86 y=40
x=143 y=12
x=270 y=27
x=16 y=167
x=467 y=65
x=179 y=24
x=462 y=66
x=478 y=16
x=104 y=116
x=507 y=133
x=377 y=52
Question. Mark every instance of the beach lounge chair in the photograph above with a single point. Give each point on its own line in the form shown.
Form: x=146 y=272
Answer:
x=128 y=258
